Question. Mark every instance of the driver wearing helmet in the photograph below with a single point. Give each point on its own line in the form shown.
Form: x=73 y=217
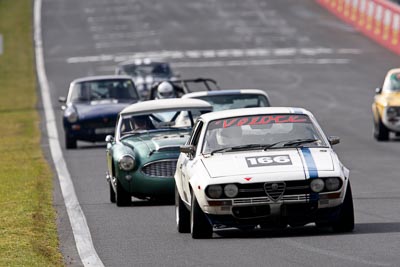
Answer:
x=140 y=123
x=230 y=136
x=165 y=90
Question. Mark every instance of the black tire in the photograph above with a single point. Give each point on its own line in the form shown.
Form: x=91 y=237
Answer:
x=70 y=142
x=122 y=198
x=200 y=227
x=345 y=220
x=112 y=193
x=182 y=214
x=381 y=133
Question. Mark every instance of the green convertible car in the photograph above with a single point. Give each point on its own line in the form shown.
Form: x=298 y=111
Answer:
x=142 y=155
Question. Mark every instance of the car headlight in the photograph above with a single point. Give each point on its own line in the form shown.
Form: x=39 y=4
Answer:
x=71 y=115
x=126 y=163
x=332 y=184
x=391 y=112
x=231 y=190
x=214 y=191
x=317 y=185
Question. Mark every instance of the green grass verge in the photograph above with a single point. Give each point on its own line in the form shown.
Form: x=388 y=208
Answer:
x=28 y=232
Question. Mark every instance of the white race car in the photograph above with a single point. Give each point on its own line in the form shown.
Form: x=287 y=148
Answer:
x=260 y=167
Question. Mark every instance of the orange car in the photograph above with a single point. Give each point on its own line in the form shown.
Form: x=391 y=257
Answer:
x=386 y=107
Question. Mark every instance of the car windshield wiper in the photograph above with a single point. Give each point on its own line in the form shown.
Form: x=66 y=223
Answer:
x=235 y=148
x=287 y=143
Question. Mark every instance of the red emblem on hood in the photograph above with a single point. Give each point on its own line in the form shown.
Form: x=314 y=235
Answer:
x=248 y=178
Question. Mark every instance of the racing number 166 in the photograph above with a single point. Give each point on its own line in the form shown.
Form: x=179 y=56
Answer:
x=268 y=161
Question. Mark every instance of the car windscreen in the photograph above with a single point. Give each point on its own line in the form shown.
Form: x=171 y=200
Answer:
x=395 y=82
x=174 y=120
x=223 y=102
x=277 y=131
x=96 y=90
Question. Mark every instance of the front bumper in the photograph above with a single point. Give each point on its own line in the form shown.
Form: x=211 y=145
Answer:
x=142 y=186
x=298 y=209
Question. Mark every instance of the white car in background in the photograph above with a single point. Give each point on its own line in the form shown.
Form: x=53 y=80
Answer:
x=233 y=98
x=260 y=167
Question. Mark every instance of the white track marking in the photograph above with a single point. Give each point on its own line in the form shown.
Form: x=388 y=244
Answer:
x=221 y=53
x=263 y=62
x=238 y=63
x=80 y=229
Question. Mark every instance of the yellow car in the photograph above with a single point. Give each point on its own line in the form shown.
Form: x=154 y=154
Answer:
x=386 y=106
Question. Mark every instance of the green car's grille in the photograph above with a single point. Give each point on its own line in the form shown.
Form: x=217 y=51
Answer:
x=162 y=168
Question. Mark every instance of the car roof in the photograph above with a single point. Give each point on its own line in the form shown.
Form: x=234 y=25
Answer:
x=391 y=71
x=253 y=111
x=161 y=105
x=101 y=77
x=226 y=92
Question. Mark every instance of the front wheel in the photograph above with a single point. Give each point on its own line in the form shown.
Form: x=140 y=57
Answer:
x=70 y=142
x=345 y=220
x=200 y=227
x=182 y=214
x=112 y=193
x=381 y=133
x=122 y=198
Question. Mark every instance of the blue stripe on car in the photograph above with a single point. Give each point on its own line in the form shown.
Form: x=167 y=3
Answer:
x=312 y=169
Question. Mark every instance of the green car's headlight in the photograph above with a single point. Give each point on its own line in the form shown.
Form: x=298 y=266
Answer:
x=126 y=162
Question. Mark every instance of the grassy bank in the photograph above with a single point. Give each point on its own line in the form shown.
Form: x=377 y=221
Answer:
x=28 y=233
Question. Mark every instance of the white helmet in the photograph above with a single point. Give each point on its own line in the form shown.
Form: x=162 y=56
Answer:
x=229 y=136
x=165 y=90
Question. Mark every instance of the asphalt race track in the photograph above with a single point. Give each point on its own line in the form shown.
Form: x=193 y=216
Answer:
x=294 y=50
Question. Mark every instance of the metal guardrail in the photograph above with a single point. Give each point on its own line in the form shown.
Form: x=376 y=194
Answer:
x=377 y=19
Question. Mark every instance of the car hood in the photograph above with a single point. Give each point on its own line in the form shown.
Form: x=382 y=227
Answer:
x=304 y=161
x=148 y=144
x=392 y=99
x=100 y=108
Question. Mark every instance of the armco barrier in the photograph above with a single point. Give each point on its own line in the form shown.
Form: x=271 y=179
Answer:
x=378 y=19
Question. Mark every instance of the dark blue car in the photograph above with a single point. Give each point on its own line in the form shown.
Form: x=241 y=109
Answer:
x=92 y=106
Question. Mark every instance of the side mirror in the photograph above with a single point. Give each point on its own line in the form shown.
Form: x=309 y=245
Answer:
x=378 y=90
x=333 y=140
x=109 y=139
x=62 y=100
x=188 y=149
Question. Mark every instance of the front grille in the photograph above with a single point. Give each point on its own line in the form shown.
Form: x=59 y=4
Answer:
x=275 y=190
x=257 y=189
x=162 y=168
x=266 y=200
